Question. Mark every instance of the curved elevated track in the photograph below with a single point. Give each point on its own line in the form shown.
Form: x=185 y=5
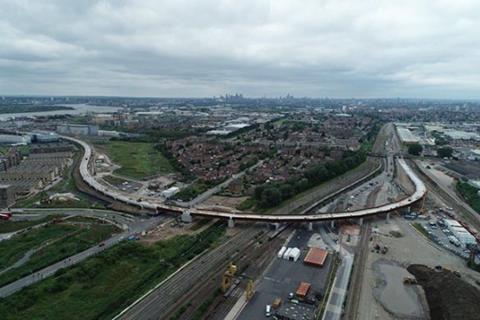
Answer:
x=89 y=179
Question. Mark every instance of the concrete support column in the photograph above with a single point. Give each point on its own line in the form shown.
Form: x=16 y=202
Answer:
x=274 y=226
x=186 y=217
x=332 y=224
x=388 y=217
x=360 y=221
x=310 y=226
x=409 y=209
x=231 y=223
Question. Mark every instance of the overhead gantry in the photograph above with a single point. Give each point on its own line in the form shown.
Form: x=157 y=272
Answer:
x=88 y=178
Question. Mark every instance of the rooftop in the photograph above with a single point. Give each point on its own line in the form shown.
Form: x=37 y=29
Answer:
x=316 y=256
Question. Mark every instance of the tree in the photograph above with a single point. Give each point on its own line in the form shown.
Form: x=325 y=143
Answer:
x=286 y=190
x=271 y=197
x=445 y=152
x=415 y=149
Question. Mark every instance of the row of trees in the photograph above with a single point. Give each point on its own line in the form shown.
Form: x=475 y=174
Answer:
x=271 y=194
x=163 y=149
x=443 y=152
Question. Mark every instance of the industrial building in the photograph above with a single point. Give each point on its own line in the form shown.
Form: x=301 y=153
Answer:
x=14 y=139
x=462 y=135
x=78 y=129
x=407 y=136
x=44 y=136
x=316 y=257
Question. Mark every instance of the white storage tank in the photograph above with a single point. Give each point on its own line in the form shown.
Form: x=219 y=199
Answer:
x=286 y=255
x=281 y=252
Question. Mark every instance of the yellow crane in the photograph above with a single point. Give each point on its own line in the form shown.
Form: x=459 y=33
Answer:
x=227 y=281
x=227 y=278
x=250 y=290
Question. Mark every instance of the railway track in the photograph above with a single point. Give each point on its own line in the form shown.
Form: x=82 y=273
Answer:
x=174 y=292
x=257 y=265
x=455 y=204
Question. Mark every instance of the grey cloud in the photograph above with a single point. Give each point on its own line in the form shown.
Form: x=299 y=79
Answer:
x=201 y=48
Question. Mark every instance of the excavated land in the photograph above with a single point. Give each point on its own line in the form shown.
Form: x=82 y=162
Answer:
x=449 y=297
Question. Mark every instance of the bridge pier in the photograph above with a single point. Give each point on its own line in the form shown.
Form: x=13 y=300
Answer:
x=274 y=226
x=186 y=217
x=388 y=218
x=360 y=221
x=332 y=224
x=231 y=222
x=310 y=226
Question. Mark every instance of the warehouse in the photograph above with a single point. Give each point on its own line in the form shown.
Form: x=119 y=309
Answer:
x=407 y=136
x=14 y=139
x=316 y=257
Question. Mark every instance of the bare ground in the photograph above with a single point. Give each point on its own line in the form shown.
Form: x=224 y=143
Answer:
x=449 y=297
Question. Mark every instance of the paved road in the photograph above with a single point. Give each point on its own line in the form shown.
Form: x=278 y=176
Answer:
x=133 y=226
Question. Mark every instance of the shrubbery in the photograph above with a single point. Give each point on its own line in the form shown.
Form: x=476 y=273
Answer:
x=272 y=194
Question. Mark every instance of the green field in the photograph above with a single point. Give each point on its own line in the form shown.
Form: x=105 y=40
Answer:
x=103 y=285
x=61 y=240
x=470 y=194
x=10 y=226
x=13 y=249
x=137 y=159
x=421 y=229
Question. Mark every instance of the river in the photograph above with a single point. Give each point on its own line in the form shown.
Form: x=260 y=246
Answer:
x=78 y=110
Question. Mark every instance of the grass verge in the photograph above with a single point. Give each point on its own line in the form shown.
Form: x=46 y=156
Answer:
x=65 y=241
x=421 y=229
x=14 y=248
x=11 y=226
x=101 y=286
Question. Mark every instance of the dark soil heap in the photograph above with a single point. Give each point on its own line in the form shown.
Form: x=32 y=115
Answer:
x=449 y=297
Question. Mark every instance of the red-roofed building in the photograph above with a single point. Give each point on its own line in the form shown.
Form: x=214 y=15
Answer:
x=316 y=257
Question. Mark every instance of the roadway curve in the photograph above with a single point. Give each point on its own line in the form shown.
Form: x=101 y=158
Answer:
x=89 y=179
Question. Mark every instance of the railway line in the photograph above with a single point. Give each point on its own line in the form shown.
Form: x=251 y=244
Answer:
x=177 y=289
x=458 y=206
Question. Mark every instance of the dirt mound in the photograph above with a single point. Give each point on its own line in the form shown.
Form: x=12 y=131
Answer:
x=449 y=297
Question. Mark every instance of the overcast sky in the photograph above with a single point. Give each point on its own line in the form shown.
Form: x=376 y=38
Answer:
x=339 y=48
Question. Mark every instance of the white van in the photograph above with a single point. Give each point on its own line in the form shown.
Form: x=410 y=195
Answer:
x=268 y=310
